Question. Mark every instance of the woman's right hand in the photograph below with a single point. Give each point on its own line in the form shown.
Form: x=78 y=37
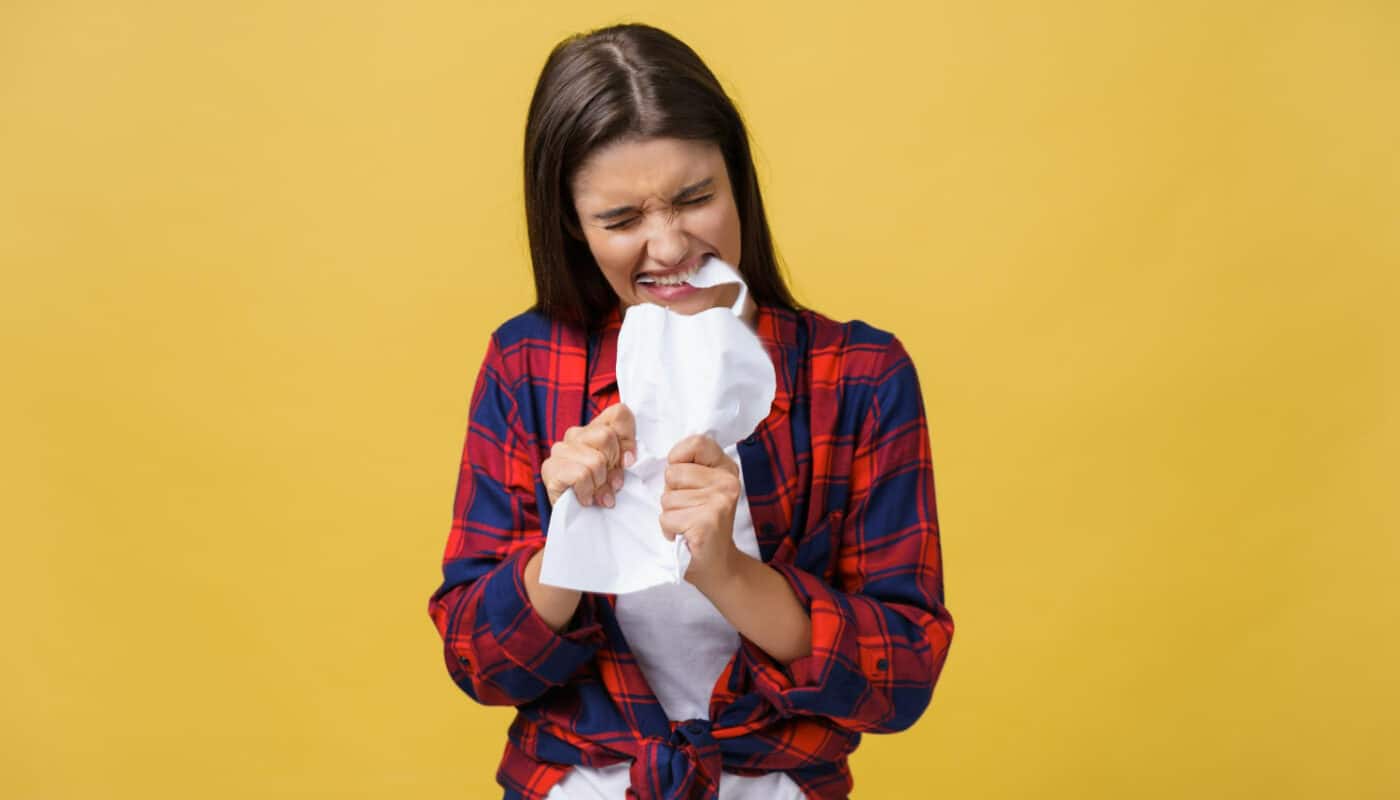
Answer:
x=591 y=458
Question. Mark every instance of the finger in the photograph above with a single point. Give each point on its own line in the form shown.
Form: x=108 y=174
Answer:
x=691 y=476
x=699 y=450
x=577 y=476
x=554 y=487
x=624 y=425
x=712 y=483
x=673 y=499
x=697 y=477
x=590 y=459
x=674 y=522
x=598 y=436
x=551 y=472
x=615 y=480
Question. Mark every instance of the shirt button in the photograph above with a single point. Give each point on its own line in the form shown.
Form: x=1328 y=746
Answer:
x=882 y=665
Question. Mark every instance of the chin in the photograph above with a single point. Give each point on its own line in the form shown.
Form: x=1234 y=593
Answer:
x=711 y=298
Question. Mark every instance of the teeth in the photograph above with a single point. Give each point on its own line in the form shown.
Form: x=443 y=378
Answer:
x=669 y=280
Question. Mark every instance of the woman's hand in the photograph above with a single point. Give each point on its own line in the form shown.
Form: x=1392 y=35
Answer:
x=702 y=491
x=591 y=458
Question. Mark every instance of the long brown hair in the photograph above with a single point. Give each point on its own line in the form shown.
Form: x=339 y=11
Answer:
x=620 y=82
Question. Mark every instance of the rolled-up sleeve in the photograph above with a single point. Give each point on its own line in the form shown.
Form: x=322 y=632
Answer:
x=880 y=630
x=498 y=649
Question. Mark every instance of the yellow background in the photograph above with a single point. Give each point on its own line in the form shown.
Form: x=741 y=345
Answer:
x=1144 y=256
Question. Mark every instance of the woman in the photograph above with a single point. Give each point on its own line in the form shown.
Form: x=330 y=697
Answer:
x=813 y=607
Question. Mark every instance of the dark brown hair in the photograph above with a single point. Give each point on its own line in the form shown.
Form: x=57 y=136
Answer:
x=616 y=83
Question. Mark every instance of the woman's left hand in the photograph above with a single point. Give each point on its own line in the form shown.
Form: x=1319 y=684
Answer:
x=702 y=491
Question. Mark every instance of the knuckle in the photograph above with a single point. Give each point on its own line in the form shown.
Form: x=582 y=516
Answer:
x=567 y=476
x=728 y=489
x=585 y=436
x=730 y=484
x=608 y=442
x=584 y=472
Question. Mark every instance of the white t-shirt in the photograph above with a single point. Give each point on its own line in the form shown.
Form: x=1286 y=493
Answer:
x=681 y=643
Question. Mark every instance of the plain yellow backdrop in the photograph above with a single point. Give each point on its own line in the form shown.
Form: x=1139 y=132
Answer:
x=1144 y=256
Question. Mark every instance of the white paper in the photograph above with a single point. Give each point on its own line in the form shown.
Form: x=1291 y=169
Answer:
x=704 y=373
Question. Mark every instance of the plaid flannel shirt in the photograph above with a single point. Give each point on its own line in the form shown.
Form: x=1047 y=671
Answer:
x=839 y=480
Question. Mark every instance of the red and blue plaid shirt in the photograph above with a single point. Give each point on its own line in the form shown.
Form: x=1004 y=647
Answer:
x=840 y=485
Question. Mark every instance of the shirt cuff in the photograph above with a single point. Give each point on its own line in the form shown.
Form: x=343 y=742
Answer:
x=836 y=678
x=522 y=634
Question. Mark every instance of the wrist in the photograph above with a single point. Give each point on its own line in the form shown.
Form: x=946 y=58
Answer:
x=726 y=579
x=554 y=604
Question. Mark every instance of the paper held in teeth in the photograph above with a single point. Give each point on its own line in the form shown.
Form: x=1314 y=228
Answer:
x=703 y=373
x=670 y=280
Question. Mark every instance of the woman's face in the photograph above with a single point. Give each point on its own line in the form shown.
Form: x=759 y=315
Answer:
x=651 y=211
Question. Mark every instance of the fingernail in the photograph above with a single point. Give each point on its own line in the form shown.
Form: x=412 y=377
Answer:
x=617 y=482
x=629 y=458
x=608 y=500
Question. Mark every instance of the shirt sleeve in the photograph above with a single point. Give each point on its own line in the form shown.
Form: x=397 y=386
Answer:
x=498 y=649
x=880 y=634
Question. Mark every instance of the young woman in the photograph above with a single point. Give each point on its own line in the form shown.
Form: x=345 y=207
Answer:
x=812 y=610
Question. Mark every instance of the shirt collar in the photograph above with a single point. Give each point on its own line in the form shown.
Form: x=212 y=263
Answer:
x=776 y=329
x=602 y=373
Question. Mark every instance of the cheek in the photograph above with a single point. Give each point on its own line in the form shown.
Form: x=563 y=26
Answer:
x=615 y=256
x=715 y=221
x=721 y=226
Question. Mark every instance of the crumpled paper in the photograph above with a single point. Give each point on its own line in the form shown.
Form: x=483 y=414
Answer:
x=704 y=373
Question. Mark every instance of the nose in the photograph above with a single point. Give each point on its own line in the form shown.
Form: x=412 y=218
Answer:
x=667 y=242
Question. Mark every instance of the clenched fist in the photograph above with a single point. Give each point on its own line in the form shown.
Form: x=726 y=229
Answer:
x=702 y=492
x=591 y=458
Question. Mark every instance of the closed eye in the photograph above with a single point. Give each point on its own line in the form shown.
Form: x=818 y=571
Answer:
x=617 y=226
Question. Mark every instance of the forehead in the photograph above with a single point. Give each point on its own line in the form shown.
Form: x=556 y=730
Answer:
x=635 y=168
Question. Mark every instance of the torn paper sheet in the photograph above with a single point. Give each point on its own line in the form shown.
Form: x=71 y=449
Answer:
x=704 y=373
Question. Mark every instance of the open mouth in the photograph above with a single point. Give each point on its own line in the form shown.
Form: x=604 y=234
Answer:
x=672 y=279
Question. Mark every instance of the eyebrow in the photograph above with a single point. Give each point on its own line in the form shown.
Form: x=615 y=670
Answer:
x=614 y=213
